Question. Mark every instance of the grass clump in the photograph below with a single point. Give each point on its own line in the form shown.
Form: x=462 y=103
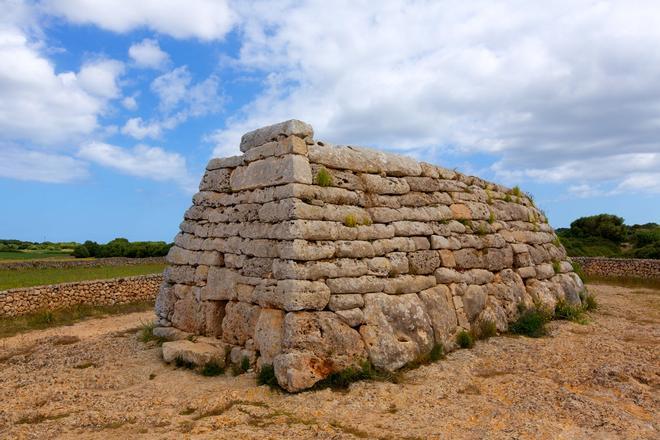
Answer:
x=507 y=198
x=491 y=218
x=342 y=379
x=54 y=318
x=242 y=367
x=212 y=369
x=464 y=339
x=484 y=330
x=481 y=230
x=350 y=221
x=437 y=353
x=531 y=322
x=147 y=333
x=569 y=312
x=266 y=376
x=516 y=191
x=556 y=266
x=590 y=303
x=323 y=177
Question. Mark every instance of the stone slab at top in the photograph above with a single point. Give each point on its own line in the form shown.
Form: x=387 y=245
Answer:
x=292 y=127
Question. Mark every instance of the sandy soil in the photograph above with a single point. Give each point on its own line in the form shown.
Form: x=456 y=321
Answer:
x=96 y=380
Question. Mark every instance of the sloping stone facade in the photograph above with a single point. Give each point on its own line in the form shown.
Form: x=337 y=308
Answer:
x=313 y=257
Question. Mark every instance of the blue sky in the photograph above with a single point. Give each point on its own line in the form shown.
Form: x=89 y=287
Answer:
x=109 y=110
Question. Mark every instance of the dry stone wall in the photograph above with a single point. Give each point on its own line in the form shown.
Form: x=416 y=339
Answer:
x=62 y=264
x=15 y=302
x=314 y=258
x=619 y=267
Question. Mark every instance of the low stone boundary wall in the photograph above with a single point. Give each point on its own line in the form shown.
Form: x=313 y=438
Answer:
x=61 y=264
x=15 y=302
x=619 y=267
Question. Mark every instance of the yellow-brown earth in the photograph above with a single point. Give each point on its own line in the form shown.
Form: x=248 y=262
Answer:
x=96 y=380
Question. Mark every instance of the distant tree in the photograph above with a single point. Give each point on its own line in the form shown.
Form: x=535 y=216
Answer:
x=606 y=226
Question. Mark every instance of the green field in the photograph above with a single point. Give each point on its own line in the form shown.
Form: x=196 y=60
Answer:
x=10 y=279
x=34 y=255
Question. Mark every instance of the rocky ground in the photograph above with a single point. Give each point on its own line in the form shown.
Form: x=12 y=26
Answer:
x=96 y=380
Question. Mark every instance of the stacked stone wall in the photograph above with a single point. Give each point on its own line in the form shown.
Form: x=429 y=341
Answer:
x=15 y=302
x=314 y=257
x=619 y=267
x=63 y=264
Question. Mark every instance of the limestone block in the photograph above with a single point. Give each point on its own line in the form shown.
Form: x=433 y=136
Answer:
x=165 y=301
x=406 y=228
x=522 y=260
x=364 y=284
x=423 y=262
x=474 y=301
x=197 y=353
x=398 y=263
x=429 y=184
x=461 y=211
x=527 y=272
x=447 y=258
x=374 y=183
x=421 y=243
x=180 y=256
x=408 y=284
x=544 y=271
x=245 y=292
x=469 y=259
x=214 y=313
x=314 y=270
x=187 y=315
x=268 y=333
x=374 y=232
x=396 y=244
x=239 y=322
x=498 y=259
x=397 y=329
x=363 y=160
x=306 y=250
x=444 y=275
x=477 y=276
x=292 y=127
x=224 y=162
x=221 y=284
x=541 y=294
x=292 y=209
x=170 y=333
x=297 y=371
x=261 y=248
x=216 y=180
x=345 y=301
x=438 y=305
x=385 y=215
x=379 y=266
x=271 y=171
x=354 y=249
x=238 y=354
x=352 y=317
x=293 y=295
x=289 y=145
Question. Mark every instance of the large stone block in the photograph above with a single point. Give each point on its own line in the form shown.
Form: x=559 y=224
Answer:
x=271 y=171
x=260 y=136
x=239 y=322
x=397 y=329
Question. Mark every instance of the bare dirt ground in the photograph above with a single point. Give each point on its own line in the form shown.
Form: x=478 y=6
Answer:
x=96 y=380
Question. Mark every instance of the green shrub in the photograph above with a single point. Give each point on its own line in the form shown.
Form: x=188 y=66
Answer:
x=491 y=218
x=266 y=376
x=516 y=191
x=531 y=322
x=464 y=339
x=241 y=368
x=212 y=369
x=323 y=177
x=342 y=379
x=507 y=198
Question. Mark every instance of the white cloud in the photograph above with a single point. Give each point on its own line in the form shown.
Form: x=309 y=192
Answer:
x=138 y=129
x=42 y=106
x=129 y=103
x=148 y=53
x=142 y=161
x=100 y=77
x=179 y=100
x=33 y=165
x=201 y=19
x=567 y=92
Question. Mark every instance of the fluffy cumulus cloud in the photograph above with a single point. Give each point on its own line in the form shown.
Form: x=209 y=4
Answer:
x=563 y=93
x=148 y=54
x=201 y=19
x=29 y=164
x=142 y=161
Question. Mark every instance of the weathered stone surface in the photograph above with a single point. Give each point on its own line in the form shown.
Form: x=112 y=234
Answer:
x=239 y=322
x=271 y=171
x=408 y=284
x=439 y=307
x=268 y=333
x=474 y=301
x=352 y=317
x=295 y=295
x=345 y=301
x=221 y=284
x=365 y=284
x=423 y=262
x=297 y=371
x=197 y=353
x=260 y=136
x=170 y=333
x=397 y=329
